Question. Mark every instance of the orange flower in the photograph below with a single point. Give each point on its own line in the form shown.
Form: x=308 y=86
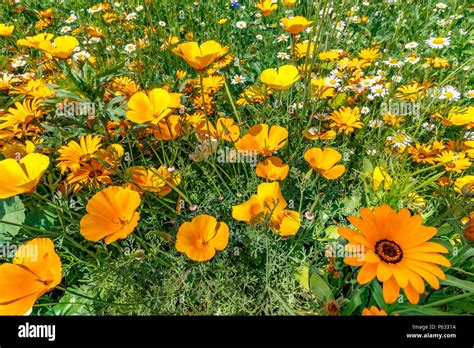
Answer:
x=267 y=7
x=35 y=270
x=280 y=79
x=200 y=238
x=296 y=24
x=324 y=162
x=225 y=130
x=22 y=176
x=153 y=179
x=395 y=249
x=272 y=169
x=169 y=128
x=62 y=47
x=263 y=139
x=315 y=133
x=200 y=57
x=269 y=204
x=73 y=154
x=111 y=214
x=153 y=106
x=373 y=311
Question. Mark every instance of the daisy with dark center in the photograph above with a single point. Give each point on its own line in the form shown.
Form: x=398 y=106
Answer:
x=397 y=251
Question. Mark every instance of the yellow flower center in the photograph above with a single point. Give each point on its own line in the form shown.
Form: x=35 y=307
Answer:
x=438 y=41
x=388 y=251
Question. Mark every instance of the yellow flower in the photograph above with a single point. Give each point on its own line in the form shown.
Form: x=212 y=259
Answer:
x=73 y=155
x=289 y=3
x=200 y=56
x=22 y=176
x=280 y=79
x=295 y=25
x=62 y=47
x=153 y=180
x=346 y=119
x=454 y=161
x=464 y=185
x=222 y=21
x=200 y=238
x=269 y=204
x=380 y=176
x=152 y=106
x=6 y=30
x=460 y=116
x=272 y=169
x=267 y=7
x=369 y=54
x=324 y=162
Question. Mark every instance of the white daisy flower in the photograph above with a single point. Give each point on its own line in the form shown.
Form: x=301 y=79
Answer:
x=238 y=79
x=379 y=90
x=412 y=60
x=364 y=110
x=65 y=30
x=449 y=93
x=241 y=25
x=71 y=19
x=282 y=38
x=283 y=55
x=130 y=16
x=129 y=48
x=469 y=94
x=441 y=6
x=394 y=62
x=411 y=45
x=332 y=81
x=259 y=37
x=397 y=78
x=438 y=42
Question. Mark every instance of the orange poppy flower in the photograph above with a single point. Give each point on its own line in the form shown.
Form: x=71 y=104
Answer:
x=35 y=270
x=169 y=128
x=272 y=169
x=22 y=176
x=269 y=204
x=34 y=41
x=200 y=56
x=295 y=25
x=153 y=179
x=314 y=133
x=280 y=79
x=263 y=139
x=153 y=106
x=324 y=162
x=225 y=130
x=200 y=238
x=267 y=7
x=396 y=250
x=111 y=214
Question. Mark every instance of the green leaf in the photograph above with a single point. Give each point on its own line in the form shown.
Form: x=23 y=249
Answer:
x=354 y=303
x=319 y=288
x=11 y=210
x=302 y=276
x=458 y=283
x=71 y=304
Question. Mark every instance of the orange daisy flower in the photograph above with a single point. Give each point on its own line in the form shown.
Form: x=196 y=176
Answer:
x=396 y=250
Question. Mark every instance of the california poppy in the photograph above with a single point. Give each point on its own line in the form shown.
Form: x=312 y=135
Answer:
x=111 y=214
x=295 y=25
x=395 y=248
x=225 y=130
x=21 y=176
x=267 y=7
x=6 y=30
x=263 y=139
x=200 y=238
x=35 y=270
x=153 y=106
x=200 y=56
x=34 y=41
x=272 y=169
x=324 y=162
x=269 y=204
x=62 y=47
x=282 y=78
x=380 y=176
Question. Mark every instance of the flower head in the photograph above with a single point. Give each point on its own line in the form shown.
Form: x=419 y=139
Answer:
x=396 y=250
x=295 y=25
x=62 y=47
x=324 y=162
x=22 y=176
x=111 y=214
x=272 y=169
x=263 y=139
x=200 y=238
x=346 y=119
x=280 y=79
x=152 y=106
x=200 y=56
x=35 y=270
